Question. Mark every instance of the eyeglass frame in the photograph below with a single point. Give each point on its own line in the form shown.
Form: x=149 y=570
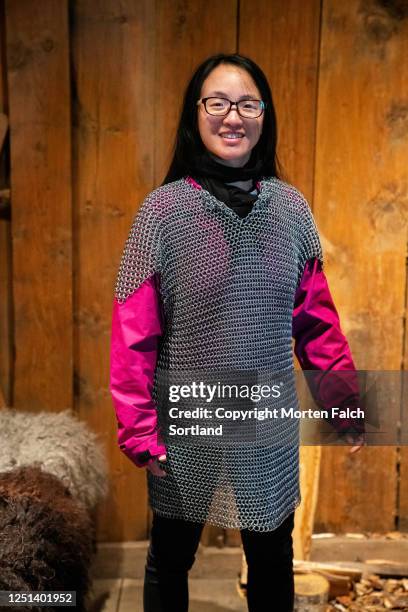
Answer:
x=231 y=103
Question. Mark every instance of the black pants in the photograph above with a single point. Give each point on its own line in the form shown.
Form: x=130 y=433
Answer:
x=171 y=555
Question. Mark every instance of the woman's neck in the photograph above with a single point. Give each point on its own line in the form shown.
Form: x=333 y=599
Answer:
x=246 y=185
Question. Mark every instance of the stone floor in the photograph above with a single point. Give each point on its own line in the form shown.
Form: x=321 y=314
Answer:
x=206 y=595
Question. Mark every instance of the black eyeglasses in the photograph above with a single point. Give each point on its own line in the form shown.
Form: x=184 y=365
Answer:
x=221 y=106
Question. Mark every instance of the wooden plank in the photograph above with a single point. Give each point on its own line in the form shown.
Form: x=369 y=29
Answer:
x=39 y=115
x=402 y=458
x=364 y=549
x=283 y=38
x=3 y=129
x=360 y=207
x=402 y=509
x=3 y=403
x=187 y=29
x=5 y=241
x=113 y=146
x=379 y=567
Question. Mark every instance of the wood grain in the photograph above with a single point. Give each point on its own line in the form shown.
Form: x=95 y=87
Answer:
x=283 y=38
x=105 y=81
x=361 y=200
x=40 y=157
x=186 y=35
x=6 y=361
x=113 y=71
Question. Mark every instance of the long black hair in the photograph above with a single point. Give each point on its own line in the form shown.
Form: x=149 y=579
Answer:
x=188 y=141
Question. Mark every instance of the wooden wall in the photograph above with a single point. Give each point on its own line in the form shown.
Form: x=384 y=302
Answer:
x=361 y=196
x=93 y=90
x=6 y=324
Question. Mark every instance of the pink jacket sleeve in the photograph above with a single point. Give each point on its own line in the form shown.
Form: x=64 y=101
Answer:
x=137 y=325
x=320 y=345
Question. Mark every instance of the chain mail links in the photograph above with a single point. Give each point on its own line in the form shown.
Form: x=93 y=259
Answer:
x=227 y=286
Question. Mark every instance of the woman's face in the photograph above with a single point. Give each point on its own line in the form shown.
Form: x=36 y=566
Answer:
x=232 y=82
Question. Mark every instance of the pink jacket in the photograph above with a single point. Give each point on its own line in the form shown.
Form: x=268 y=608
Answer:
x=138 y=323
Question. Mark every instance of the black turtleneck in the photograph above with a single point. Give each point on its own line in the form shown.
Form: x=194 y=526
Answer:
x=214 y=176
x=239 y=200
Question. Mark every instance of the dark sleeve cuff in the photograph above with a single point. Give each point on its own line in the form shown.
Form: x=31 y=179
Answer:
x=144 y=457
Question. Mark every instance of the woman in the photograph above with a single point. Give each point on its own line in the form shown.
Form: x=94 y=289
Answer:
x=222 y=266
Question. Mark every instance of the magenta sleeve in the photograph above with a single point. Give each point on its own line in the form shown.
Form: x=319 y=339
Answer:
x=137 y=325
x=320 y=345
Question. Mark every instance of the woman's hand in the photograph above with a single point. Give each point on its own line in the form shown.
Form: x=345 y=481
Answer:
x=154 y=466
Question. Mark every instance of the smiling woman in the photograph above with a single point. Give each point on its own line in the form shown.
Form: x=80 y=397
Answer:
x=222 y=267
x=228 y=135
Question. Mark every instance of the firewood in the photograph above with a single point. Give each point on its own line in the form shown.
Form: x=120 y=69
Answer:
x=339 y=585
x=373 y=593
x=310 y=590
x=333 y=568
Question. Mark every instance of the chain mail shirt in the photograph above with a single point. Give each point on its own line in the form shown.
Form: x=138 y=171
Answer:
x=202 y=293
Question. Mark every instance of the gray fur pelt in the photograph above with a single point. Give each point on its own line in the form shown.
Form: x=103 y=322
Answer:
x=47 y=537
x=59 y=444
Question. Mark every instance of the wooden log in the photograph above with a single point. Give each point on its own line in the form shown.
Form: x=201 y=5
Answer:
x=333 y=568
x=311 y=592
x=355 y=569
x=339 y=585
